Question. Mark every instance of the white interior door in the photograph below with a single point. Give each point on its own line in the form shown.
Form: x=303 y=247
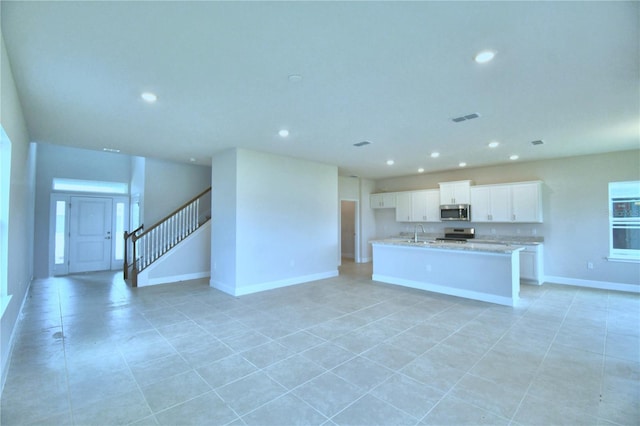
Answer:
x=90 y=234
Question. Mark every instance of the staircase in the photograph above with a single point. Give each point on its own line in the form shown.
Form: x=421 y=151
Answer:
x=145 y=247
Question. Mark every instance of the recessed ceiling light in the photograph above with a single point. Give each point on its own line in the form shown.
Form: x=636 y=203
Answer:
x=193 y=160
x=484 y=56
x=420 y=170
x=493 y=144
x=111 y=150
x=514 y=157
x=435 y=154
x=462 y=164
x=390 y=162
x=295 y=78
x=283 y=133
x=149 y=97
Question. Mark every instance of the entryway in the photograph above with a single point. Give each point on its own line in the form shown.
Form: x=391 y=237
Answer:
x=87 y=233
x=349 y=247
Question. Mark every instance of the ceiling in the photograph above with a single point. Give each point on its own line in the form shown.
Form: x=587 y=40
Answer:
x=391 y=73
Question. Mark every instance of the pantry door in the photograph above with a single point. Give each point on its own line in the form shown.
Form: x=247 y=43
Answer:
x=90 y=234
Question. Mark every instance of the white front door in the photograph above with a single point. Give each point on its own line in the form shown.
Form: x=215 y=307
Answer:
x=90 y=234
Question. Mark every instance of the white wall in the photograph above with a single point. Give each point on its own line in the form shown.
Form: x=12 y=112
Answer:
x=368 y=230
x=575 y=203
x=168 y=185
x=286 y=217
x=224 y=193
x=21 y=207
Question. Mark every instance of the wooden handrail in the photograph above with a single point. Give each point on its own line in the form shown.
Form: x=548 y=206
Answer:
x=158 y=223
x=127 y=235
x=151 y=244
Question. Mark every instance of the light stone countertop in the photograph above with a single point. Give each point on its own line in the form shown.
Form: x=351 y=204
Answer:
x=478 y=246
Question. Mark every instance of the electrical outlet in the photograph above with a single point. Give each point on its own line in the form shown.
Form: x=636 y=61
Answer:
x=589 y=265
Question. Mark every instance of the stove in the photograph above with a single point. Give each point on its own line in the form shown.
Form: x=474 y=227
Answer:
x=457 y=235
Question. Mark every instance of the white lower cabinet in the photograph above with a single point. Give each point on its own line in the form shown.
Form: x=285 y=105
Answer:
x=531 y=261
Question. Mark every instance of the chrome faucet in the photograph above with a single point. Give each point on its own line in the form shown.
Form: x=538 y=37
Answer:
x=415 y=232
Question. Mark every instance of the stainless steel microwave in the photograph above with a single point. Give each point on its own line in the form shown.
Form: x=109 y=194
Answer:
x=455 y=212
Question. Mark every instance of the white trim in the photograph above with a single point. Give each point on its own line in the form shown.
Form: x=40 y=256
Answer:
x=12 y=338
x=467 y=294
x=623 y=260
x=602 y=285
x=145 y=282
x=365 y=260
x=255 y=288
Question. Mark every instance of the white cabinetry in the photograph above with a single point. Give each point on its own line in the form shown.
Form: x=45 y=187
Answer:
x=526 y=202
x=514 y=202
x=491 y=203
x=418 y=206
x=383 y=201
x=455 y=192
x=403 y=207
x=531 y=262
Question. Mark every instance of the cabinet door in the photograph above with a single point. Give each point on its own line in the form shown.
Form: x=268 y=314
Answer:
x=419 y=206
x=455 y=192
x=461 y=193
x=447 y=193
x=403 y=207
x=501 y=203
x=481 y=204
x=389 y=200
x=525 y=202
x=375 y=201
x=433 y=205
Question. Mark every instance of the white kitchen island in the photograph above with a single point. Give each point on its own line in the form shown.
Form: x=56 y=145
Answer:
x=479 y=271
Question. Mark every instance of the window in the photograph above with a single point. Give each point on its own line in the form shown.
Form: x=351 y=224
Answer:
x=119 y=231
x=93 y=186
x=60 y=234
x=5 y=177
x=624 y=220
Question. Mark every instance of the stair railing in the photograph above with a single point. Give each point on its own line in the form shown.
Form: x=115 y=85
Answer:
x=157 y=240
x=128 y=263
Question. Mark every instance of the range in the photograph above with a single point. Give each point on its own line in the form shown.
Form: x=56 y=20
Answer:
x=458 y=235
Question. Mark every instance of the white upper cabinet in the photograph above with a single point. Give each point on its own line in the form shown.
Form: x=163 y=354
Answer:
x=385 y=200
x=455 y=192
x=403 y=207
x=425 y=206
x=526 y=202
x=418 y=206
x=515 y=202
x=491 y=203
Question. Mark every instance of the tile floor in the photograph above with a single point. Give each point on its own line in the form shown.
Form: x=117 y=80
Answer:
x=341 y=351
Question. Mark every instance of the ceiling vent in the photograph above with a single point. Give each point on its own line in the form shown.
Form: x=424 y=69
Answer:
x=363 y=143
x=465 y=117
x=538 y=142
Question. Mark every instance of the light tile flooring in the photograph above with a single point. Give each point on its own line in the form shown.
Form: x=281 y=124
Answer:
x=339 y=351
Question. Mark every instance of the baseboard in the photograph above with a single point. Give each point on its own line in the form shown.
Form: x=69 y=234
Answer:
x=601 y=285
x=271 y=285
x=467 y=294
x=142 y=282
x=12 y=338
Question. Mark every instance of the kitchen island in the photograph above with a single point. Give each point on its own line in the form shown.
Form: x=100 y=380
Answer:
x=479 y=271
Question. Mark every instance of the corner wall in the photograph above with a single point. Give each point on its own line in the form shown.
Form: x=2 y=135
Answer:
x=21 y=208
x=283 y=213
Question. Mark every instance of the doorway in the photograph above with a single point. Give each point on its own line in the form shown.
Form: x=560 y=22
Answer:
x=87 y=233
x=349 y=247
